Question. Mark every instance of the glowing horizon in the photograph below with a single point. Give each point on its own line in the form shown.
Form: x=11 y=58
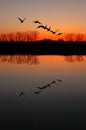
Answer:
x=67 y=16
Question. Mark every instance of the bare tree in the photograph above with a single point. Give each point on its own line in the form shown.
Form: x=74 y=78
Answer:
x=19 y=36
x=79 y=37
x=69 y=37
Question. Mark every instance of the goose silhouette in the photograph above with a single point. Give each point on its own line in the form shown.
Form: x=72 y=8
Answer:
x=59 y=33
x=45 y=27
x=21 y=20
x=48 y=29
x=54 y=32
x=42 y=26
x=37 y=21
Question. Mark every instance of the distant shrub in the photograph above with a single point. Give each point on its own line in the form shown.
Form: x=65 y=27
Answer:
x=75 y=37
x=19 y=36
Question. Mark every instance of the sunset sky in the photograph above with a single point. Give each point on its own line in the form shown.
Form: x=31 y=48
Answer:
x=66 y=15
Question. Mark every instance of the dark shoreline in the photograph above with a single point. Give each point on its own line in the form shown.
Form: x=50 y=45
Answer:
x=45 y=47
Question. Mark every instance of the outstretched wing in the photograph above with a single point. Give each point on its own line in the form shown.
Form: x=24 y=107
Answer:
x=20 y=19
x=23 y=19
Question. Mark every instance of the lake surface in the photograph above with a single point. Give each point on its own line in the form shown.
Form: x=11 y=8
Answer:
x=42 y=91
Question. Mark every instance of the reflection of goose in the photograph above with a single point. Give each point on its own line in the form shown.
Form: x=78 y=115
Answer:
x=36 y=21
x=37 y=92
x=59 y=80
x=21 y=20
x=48 y=85
x=21 y=94
x=45 y=86
x=52 y=82
x=42 y=87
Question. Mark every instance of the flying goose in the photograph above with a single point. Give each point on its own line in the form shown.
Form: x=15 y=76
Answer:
x=60 y=33
x=37 y=21
x=42 y=26
x=54 y=32
x=21 y=20
x=48 y=29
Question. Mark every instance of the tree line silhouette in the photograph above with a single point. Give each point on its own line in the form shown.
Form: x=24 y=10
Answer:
x=74 y=37
x=31 y=36
x=19 y=36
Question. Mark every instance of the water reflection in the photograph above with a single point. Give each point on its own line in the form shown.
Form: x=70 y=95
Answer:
x=34 y=59
x=73 y=59
x=52 y=93
x=20 y=59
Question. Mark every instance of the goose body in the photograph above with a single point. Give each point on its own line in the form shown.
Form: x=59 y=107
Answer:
x=42 y=26
x=54 y=32
x=21 y=94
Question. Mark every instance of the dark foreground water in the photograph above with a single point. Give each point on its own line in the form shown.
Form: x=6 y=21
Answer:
x=40 y=92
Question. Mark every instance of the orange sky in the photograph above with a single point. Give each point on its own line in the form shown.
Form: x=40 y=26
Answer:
x=67 y=16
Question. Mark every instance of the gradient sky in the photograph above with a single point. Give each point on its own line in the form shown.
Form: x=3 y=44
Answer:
x=67 y=15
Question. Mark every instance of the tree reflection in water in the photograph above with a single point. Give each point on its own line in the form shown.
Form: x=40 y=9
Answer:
x=74 y=58
x=20 y=59
x=33 y=59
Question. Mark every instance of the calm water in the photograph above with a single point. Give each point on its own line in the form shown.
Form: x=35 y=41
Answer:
x=32 y=96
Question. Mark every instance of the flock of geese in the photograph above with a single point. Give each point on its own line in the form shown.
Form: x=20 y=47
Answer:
x=53 y=32
x=42 y=26
x=40 y=89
